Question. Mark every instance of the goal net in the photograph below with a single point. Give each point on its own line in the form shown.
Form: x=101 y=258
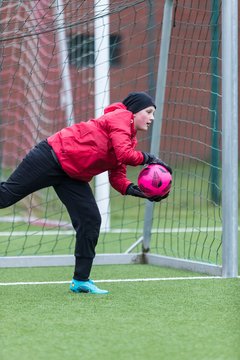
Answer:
x=49 y=52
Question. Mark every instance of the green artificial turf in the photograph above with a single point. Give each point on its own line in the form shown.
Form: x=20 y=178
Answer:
x=176 y=319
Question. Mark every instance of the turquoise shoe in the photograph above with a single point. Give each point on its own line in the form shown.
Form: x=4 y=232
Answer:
x=86 y=287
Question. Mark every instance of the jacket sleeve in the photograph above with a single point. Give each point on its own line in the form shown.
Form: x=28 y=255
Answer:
x=120 y=127
x=118 y=179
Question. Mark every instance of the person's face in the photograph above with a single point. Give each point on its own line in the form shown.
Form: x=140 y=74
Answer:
x=144 y=118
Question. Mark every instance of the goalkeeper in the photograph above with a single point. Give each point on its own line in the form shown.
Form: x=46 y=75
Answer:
x=70 y=158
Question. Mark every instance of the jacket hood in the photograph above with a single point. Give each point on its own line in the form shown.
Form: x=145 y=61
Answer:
x=114 y=106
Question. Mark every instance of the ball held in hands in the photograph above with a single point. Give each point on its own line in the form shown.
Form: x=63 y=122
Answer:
x=155 y=181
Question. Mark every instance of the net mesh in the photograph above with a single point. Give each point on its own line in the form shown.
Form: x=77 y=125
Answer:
x=191 y=135
x=47 y=81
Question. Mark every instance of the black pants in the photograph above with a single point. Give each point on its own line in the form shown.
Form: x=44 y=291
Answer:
x=38 y=170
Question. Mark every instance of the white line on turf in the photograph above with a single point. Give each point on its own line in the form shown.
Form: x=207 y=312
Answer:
x=115 y=280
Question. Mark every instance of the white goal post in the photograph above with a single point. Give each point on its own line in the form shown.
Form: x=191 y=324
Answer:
x=230 y=136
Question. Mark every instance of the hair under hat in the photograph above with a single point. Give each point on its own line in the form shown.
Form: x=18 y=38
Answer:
x=137 y=101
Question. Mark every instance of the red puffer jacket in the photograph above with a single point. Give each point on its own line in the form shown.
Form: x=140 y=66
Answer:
x=89 y=148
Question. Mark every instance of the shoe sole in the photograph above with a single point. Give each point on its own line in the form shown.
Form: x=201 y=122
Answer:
x=88 y=292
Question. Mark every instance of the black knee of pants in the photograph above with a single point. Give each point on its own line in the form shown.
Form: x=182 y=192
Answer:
x=87 y=233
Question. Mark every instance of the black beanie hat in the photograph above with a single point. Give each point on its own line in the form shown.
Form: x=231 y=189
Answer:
x=137 y=101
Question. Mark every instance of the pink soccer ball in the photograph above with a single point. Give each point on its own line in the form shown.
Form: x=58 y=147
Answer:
x=154 y=180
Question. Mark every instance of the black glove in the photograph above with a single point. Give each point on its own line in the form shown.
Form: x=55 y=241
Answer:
x=158 y=198
x=152 y=159
x=134 y=190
